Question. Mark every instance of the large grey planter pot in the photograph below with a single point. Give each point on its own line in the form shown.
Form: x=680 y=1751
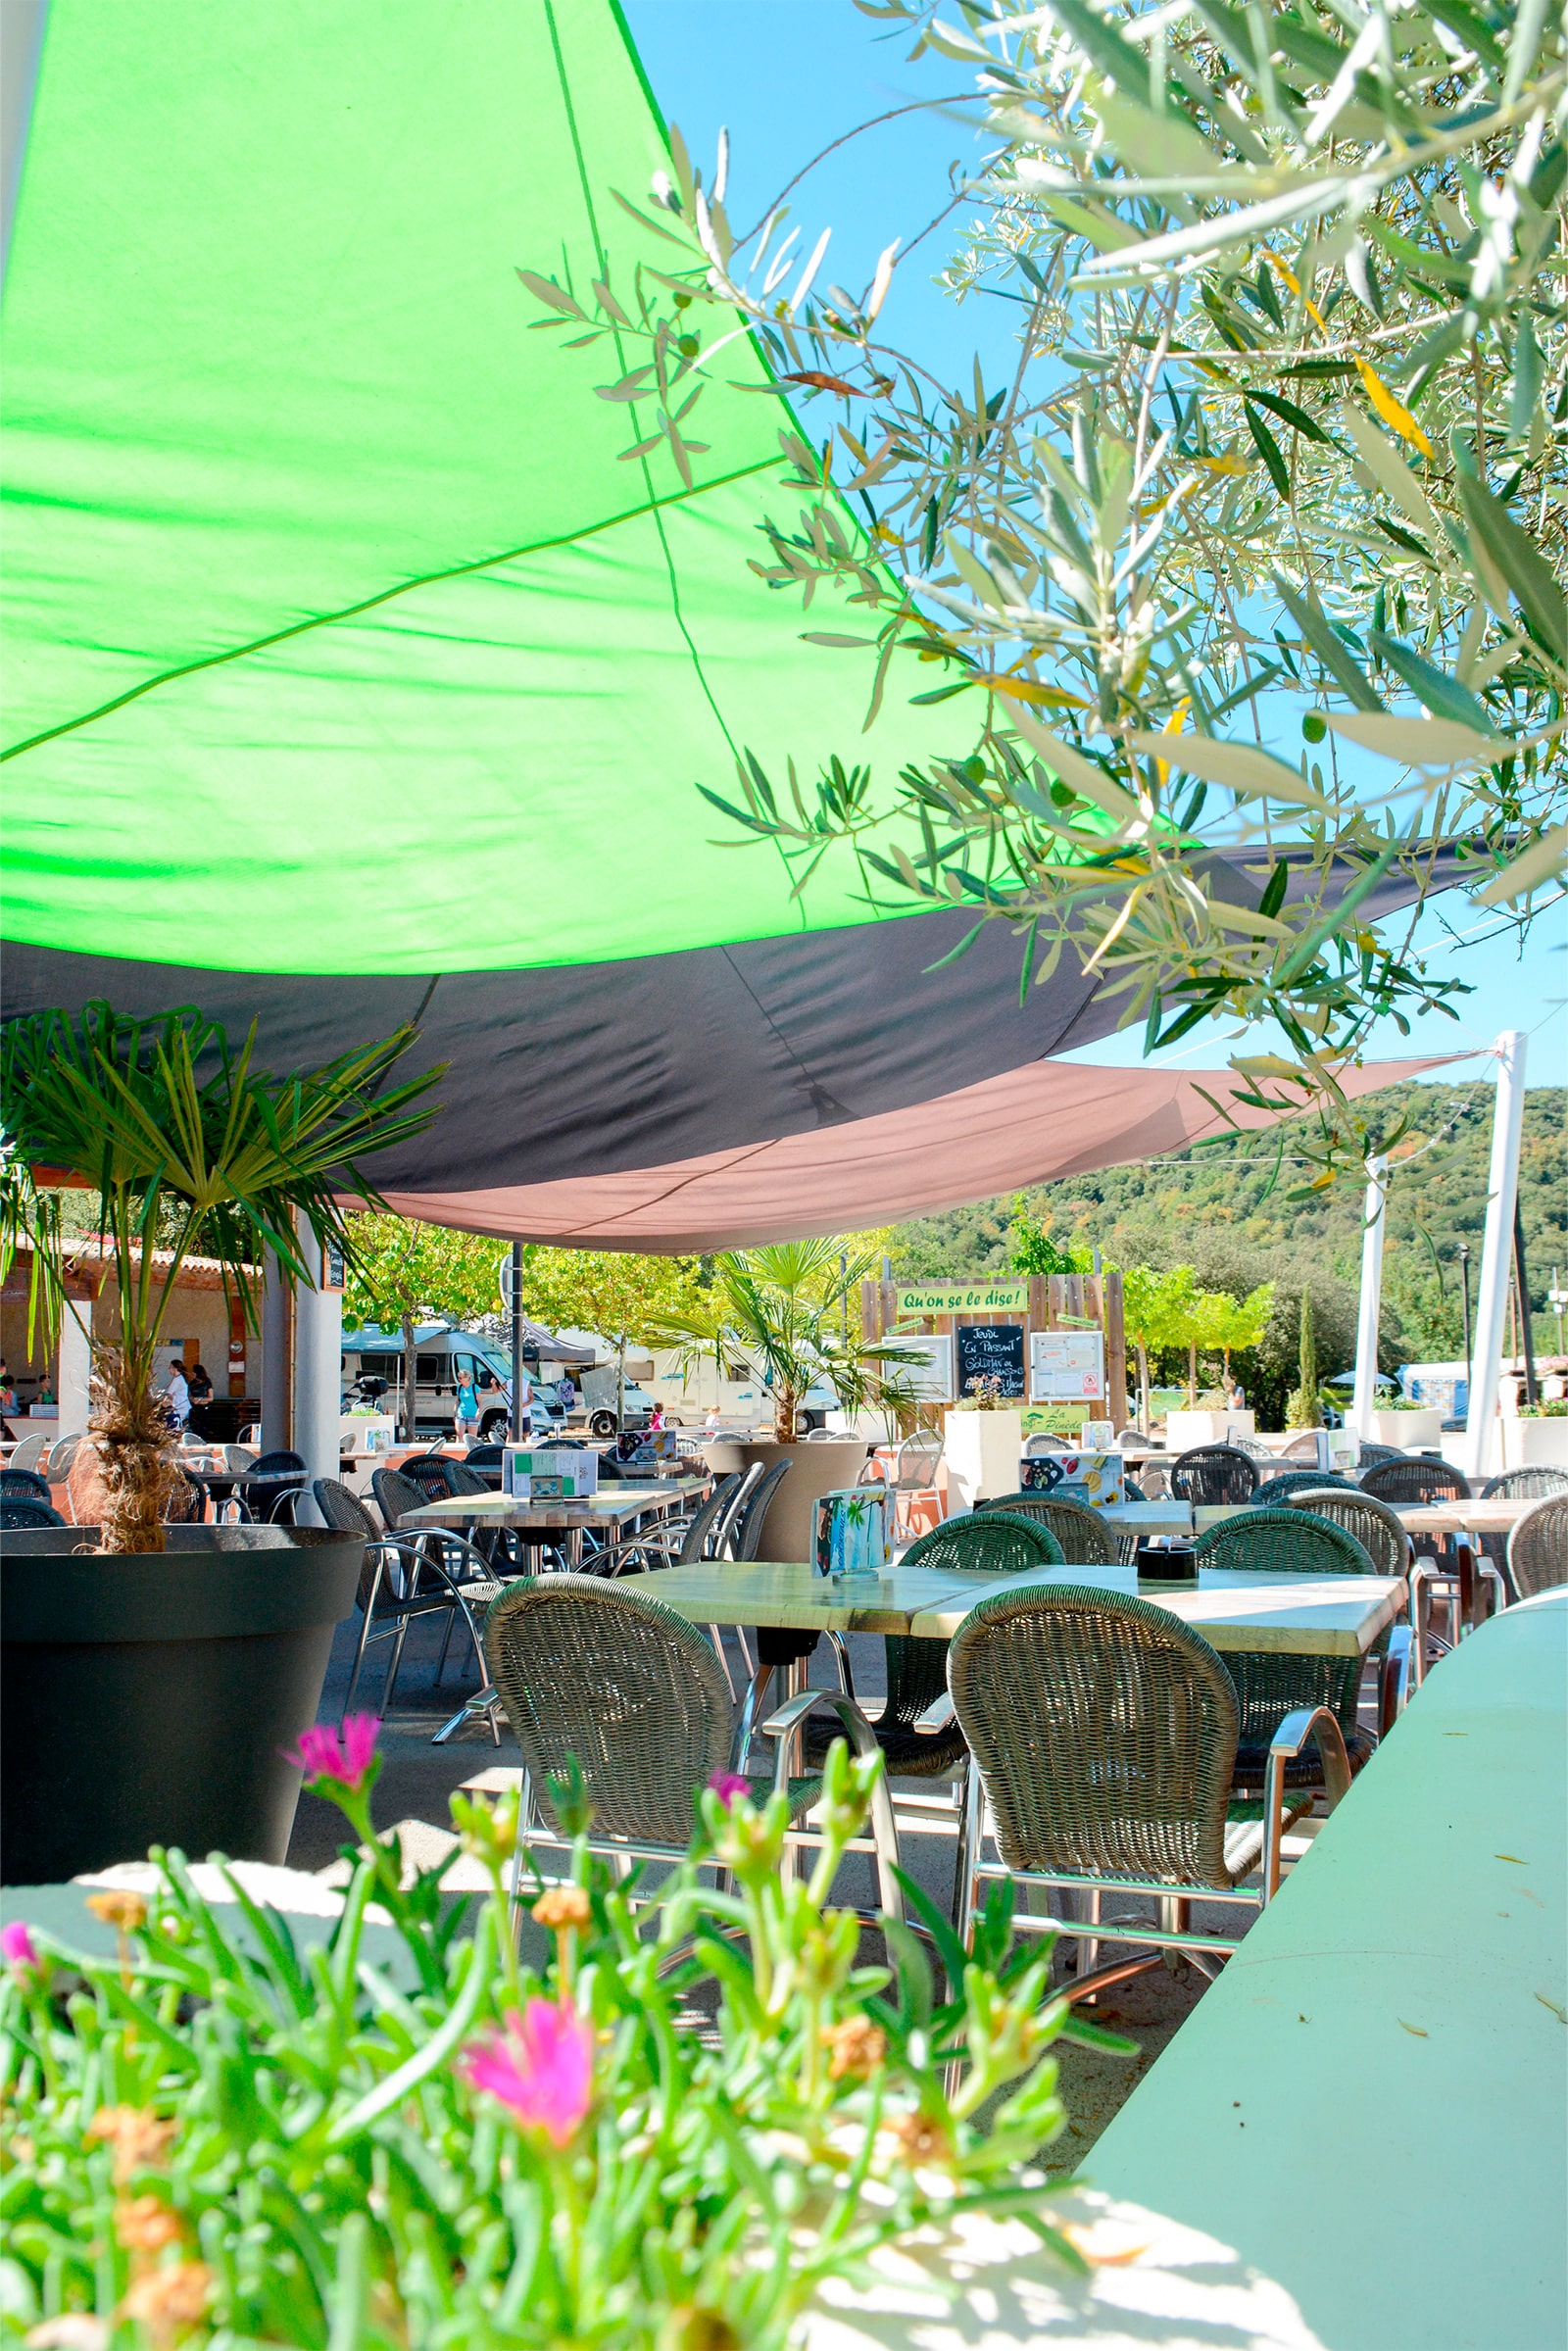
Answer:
x=148 y=1699
x=789 y=1530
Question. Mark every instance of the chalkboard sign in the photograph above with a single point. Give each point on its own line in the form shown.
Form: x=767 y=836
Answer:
x=991 y=1351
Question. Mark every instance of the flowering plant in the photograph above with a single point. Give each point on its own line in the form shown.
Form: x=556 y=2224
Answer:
x=663 y=2136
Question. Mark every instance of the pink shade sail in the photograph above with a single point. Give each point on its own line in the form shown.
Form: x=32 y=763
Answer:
x=1046 y=1120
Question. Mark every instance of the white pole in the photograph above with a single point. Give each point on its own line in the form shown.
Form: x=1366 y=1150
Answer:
x=76 y=1367
x=1364 y=1403
x=1502 y=1189
x=318 y=1365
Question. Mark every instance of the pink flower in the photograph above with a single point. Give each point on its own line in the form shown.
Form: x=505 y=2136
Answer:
x=323 y=1755
x=728 y=1786
x=541 y=2067
x=17 y=1946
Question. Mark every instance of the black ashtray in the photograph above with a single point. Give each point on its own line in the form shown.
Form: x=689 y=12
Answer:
x=1166 y=1562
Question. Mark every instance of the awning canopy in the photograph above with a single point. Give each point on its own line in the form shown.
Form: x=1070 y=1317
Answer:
x=356 y=675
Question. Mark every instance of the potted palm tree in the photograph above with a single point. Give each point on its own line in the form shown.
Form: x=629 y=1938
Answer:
x=150 y=1674
x=784 y=1310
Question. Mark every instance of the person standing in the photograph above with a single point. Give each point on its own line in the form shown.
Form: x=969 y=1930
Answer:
x=178 y=1395
x=198 y=1381
x=468 y=1408
x=566 y=1393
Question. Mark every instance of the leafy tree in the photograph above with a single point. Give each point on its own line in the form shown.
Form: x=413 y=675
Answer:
x=1033 y=1249
x=621 y=1296
x=1234 y=1324
x=399 y=1273
x=1282 y=424
x=1157 y=1312
x=1304 y=1407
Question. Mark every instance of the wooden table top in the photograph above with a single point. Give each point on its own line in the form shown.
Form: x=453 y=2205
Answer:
x=1318 y=1616
x=1496 y=1517
x=610 y=1508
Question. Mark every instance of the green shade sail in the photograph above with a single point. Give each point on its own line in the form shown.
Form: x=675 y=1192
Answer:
x=339 y=636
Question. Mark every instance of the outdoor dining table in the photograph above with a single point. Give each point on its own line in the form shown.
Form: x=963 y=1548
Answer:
x=1458 y=1521
x=1234 y=1608
x=254 y=1496
x=561 y=1524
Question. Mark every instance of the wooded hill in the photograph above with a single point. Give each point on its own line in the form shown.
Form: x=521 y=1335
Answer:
x=1216 y=1214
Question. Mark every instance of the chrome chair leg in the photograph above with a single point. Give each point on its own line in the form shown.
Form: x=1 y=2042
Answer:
x=841 y=1658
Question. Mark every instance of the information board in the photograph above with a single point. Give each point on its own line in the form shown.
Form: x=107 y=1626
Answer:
x=928 y=1368
x=991 y=1351
x=1066 y=1366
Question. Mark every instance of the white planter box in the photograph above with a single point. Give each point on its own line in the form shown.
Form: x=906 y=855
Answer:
x=1533 y=1443
x=982 y=1451
x=1183 y=1430
x=1409 y=1430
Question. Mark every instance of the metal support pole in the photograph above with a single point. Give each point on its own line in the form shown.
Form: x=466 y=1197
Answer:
x=516 y=1342
x=1502 y=1189
x=1364 y=1403
x=1464 y=1293
x=1521 y=1290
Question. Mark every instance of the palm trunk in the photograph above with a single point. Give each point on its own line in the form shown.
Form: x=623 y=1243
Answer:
x=1191 y=1375
x=137 y=1445
x=784 y=1417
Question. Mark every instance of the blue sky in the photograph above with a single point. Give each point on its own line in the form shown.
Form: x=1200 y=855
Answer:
x=787 y=77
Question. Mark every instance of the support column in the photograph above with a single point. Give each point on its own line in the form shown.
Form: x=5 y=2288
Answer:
x=318 y=1364
x=516 y=1424
x=76 y=1366
x=1502 y=1189
x=1364 y=1401
x=276 y=1383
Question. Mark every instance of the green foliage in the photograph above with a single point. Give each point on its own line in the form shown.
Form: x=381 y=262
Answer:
x=1035 y=1253
x=401 y=1273
x=620 y=1295
x=186 y=1143
x=315 y=2146
x=1304 y=1407
x=1287 y=421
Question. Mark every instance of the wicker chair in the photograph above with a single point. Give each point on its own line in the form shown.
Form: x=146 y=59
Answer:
x=428 y=1589
x=1372 y=1454
x=1538 y=1547
x=1041 y=1442
x=914 y=1478
x=1529 y=1485
x=1380 y=1531
x=1270 y=1687
x=1415 y=1479
x=485 y=1461
x=29 y=1451
x=1301 y=1448
x=275 y=1465
x=1081 y=1535
x=628 y=1687
x=432 y=1473
x=19 y=1511
x=975 y=1544
x=1212 y=1474
x=15 y=1482
x=1104 y=1732
x=1275 y=1492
